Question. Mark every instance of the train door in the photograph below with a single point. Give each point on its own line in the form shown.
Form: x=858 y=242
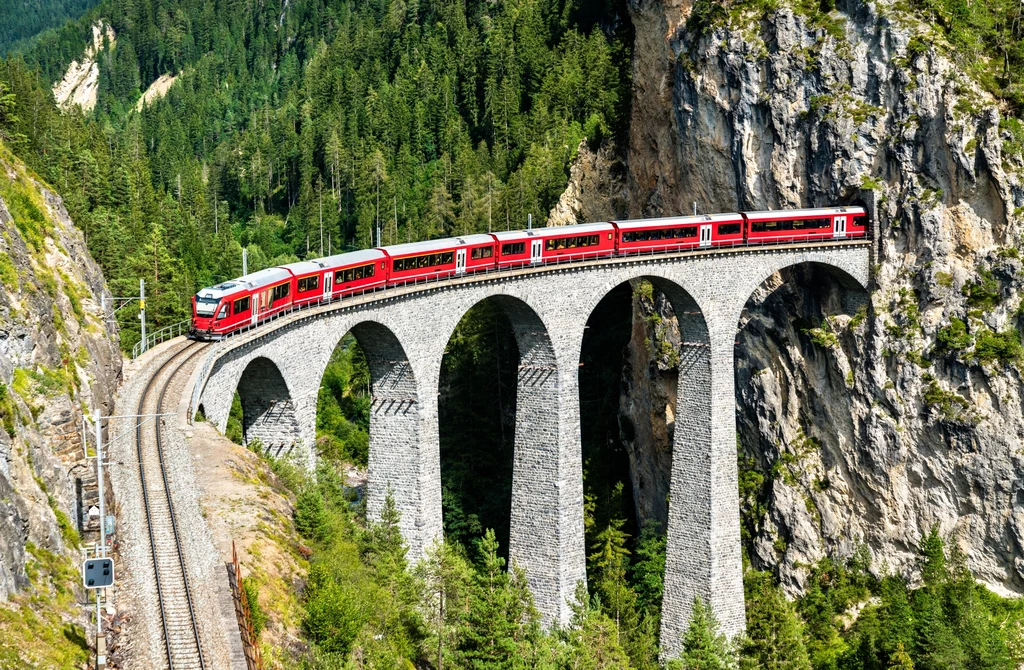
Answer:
x=328 y=276
x=255 y=307
x=705 y=235
x=535 y=250
x=839 y=227
x=460 y=261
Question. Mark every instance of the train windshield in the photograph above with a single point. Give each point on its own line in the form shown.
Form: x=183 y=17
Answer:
x=206 y=306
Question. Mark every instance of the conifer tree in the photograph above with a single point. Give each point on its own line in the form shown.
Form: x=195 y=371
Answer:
x=704 y=646
x=501 y=623
x=774 y=632
x=900 y=659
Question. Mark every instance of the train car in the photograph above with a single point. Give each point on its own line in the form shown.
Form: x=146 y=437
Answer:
x=677 y=233
x=557 y=243
x=354 y=272
x=228 y=306
x=434 y=259
x=796 y=225
x=308 y=278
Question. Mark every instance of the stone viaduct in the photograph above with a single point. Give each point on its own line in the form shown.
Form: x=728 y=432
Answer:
x=277 y=370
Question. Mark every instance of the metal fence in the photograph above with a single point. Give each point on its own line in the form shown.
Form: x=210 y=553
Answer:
x=250 y=642
x=166 y=333
x=411 y=287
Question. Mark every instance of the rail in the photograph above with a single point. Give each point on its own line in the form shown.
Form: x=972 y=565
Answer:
x=160 y=586
x=483 y=274
x=162 y=335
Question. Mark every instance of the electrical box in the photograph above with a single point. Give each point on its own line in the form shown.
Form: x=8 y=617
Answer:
x=98 y=573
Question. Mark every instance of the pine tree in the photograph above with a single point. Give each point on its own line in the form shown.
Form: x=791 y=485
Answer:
x=590 y=642
x=704 y=647
x=774 y=632
x=501 y=623
x=900 y=659
x=446 y=580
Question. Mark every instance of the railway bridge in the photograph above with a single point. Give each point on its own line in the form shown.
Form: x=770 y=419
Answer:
x=277 y=370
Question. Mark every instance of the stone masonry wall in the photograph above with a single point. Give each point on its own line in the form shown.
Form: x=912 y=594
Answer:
x=407 y=330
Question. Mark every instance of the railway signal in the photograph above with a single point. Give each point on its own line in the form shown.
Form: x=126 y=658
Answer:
x=97 y=573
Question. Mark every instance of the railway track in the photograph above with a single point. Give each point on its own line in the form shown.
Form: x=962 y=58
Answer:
x=182 y=644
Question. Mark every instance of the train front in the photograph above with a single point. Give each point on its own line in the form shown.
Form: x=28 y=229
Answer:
x=203 y=311
x=210 y=307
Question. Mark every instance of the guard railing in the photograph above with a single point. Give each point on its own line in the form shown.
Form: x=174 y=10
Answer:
x=165 y=333
x=386 y=291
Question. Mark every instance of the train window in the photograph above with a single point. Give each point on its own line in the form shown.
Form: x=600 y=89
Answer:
x=242 y=305
x=571 y=242
x=279 y=292
x=205 y=306
x=513 y=248
x=728 y=228
x=352 y=274
x=309 y=283
x=223 y=312
x=482 y=252
x=425 y=261
x=860 y=221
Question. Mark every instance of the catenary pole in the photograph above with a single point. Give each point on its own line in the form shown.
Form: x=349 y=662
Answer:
x=142 y=311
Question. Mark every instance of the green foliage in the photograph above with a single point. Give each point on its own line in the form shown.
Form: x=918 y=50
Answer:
x=343 y=406
x=774 y=632
x=1004 y=347
x=954 y=337
x=233 y=431
x=252 y=595
x=869 y=183
x=823 y=335
x=24 y=20
x=986 y=40
x=476 y=409
x=704 y=646
x=648 y=571
x=949 y=405
x=985 y=293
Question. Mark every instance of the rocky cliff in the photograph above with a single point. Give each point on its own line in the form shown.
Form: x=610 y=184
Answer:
x=863 y=419
x=57 y=358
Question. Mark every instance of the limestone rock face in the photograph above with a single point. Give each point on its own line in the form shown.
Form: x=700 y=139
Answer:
x=864 y=419
x=57 y=357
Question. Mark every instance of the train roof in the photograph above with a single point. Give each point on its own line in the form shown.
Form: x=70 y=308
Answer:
x=801 y=213
x=352 y=257
x=554 y=230
x=305 y=267
x=666 y=221
x=436 y=245
x=250 y=281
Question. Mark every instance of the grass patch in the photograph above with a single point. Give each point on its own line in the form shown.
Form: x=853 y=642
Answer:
x=33 y=630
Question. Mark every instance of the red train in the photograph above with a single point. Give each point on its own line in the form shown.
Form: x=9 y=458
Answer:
x=221 y=309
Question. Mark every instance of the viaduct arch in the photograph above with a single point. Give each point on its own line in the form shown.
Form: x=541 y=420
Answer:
x=404 y=332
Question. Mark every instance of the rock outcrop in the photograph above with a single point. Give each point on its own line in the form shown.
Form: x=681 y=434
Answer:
x=58 y=357
x=81 y=83
x=863 y=419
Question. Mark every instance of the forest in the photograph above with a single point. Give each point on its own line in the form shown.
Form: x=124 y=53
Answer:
x=300 y=133
x=24 y=19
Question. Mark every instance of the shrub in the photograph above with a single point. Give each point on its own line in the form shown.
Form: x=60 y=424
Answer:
x=252 y=592
x=1004 y=347
x=951 y=406
x=954 y=337
x=984 y=293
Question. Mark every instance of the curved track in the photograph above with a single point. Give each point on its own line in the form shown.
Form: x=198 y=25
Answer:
x=182 y=644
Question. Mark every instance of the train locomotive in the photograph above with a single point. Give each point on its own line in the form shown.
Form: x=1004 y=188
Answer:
x=239 y=303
